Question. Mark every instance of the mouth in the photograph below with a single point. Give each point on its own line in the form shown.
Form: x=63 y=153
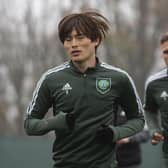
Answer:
x=75 y=53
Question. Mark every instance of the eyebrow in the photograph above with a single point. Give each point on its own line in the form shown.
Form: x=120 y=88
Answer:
x=77 y=34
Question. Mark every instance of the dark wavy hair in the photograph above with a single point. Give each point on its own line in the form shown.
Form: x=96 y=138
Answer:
x=92 y=24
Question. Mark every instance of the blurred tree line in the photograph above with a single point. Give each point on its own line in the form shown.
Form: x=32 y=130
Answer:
x=29 y=45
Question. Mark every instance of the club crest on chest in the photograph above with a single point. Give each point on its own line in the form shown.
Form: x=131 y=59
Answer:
x=103 y=85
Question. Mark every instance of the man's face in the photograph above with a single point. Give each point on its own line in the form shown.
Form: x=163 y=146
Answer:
x=79 y=47
x=164 y=49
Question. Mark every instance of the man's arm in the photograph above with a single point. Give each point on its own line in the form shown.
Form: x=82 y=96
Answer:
x=130 y=128
x=35 y=123
x=140 y=137
x=154 y=126
x=153 y=122
x=131 y=104
x=152 y=115
x=34 y=126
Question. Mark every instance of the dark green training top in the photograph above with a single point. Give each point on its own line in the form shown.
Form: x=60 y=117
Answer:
x=93 y=96
x=156 y=101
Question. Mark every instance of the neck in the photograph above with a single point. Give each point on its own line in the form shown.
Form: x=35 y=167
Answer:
x=83 y=66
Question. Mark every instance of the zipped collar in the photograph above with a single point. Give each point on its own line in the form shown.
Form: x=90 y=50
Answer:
x=89 y=69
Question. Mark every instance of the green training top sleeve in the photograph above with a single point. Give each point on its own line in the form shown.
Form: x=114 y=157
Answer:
x=35 y=123
x=131 y=104
x=151 y=110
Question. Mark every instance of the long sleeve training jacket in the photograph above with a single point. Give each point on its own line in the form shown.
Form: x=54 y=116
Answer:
x=93 y=97
x=156 y=101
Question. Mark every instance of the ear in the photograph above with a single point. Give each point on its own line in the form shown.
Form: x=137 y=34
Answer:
x=97 y=42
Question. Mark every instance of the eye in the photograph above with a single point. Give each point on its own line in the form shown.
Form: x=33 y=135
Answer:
x=80 y=36
x=68 y=38
x=165 y=52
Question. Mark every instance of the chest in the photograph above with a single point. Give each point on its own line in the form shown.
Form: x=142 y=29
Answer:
x=160 y=93
x=85 y=92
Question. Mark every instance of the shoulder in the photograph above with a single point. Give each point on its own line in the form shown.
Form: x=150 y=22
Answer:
x=152 y=79
x=114 y=69
x=50 y=72
x=122 y=74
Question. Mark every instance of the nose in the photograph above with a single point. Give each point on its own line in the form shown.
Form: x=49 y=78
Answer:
x=74 y=43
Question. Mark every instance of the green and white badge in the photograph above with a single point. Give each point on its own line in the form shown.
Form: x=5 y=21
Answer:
x=103 y=85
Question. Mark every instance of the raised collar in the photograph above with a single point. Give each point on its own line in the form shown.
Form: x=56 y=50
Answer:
x=90 y=69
